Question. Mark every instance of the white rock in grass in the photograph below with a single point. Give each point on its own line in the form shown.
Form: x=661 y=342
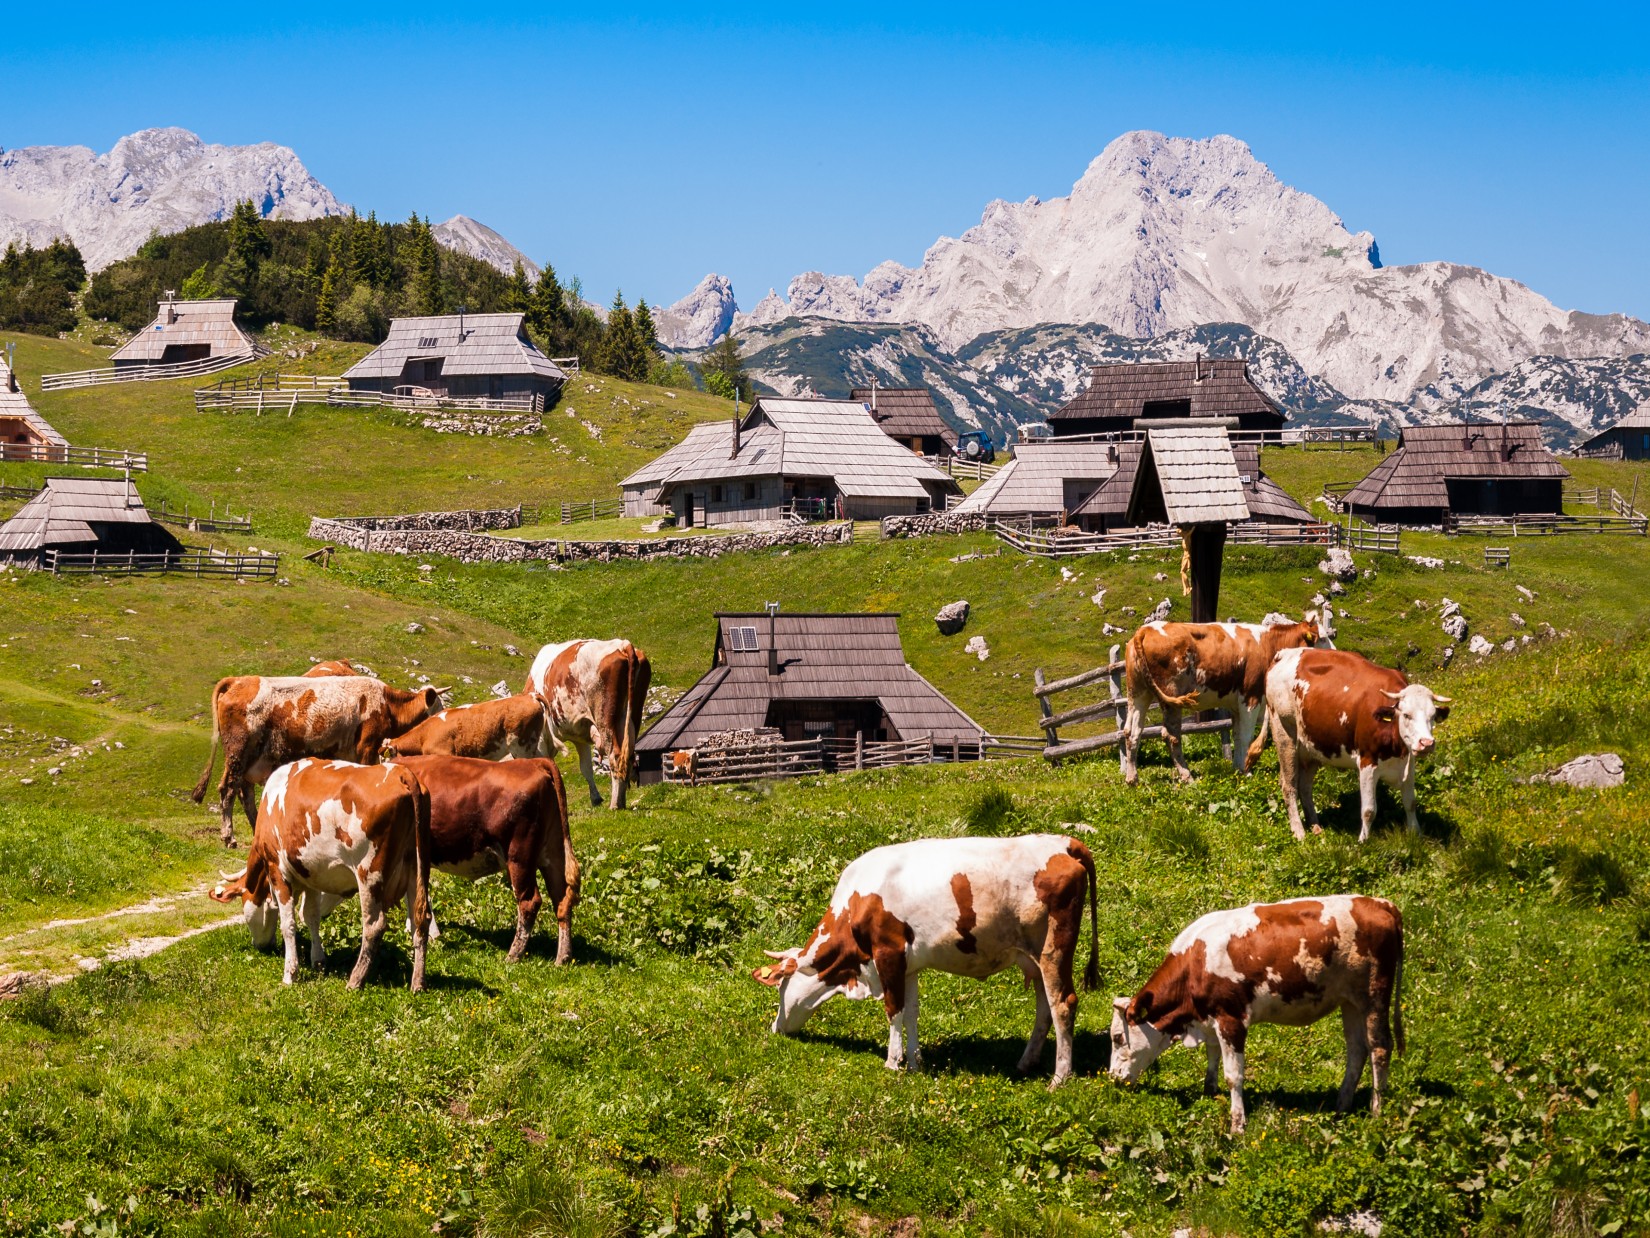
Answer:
x=1595 y=771
x=977 y=646
x=1480 y=646
x=952 y=617
x=1099 y=598
x=501 y=689
x=413 y=629
x=1517 y=619
x=1160 y=612
x=1524 y=593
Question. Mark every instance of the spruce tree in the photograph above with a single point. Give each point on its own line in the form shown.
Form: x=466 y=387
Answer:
x=518 y=293
x=424 y=273
x=326 y=301
x=547 y=316
x=647 y=334
x=723 y=366
x=248 y=247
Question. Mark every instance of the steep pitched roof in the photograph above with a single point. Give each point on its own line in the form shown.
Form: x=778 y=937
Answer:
x=822 y=657
x=903 y=412
x=188 y=322
x=16 y=404
x=1190 y=473
x=489 y=344
x=1215 y=388
x=1415 y=473
x=64 y=512
x=1034 y=481
x=1638 y=419
x=1268 y=502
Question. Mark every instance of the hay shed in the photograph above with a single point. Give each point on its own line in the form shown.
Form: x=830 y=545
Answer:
x=187 y=331
x=1628 y=439
x=808 y=676
x=1119 y=395
x=80 y=515
x=1462 y=469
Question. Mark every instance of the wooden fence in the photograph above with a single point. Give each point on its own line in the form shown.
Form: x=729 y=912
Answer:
x=19 y=492
x=1543 y=526
x=1334 y=494
x=962 y=466
x=1025 y=537
x=749 y=762
x=87 y=457
x=143 y=373
x=1385 y=541
x=210 y=523
x=592 y=509
x=187 y=563
x=1115 y=707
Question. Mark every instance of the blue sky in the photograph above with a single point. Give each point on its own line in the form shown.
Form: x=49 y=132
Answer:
x=643 y=150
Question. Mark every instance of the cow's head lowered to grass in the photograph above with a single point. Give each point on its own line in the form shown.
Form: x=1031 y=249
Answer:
x=1414 y=710
x=251 y=889
x=1136 y=1042
x=832 y=963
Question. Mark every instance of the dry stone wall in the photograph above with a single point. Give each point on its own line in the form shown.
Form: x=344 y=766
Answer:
x=929 y=523
x=457 y=535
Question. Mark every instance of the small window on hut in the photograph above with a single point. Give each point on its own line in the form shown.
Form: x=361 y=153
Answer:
x=744 y=639
x=750 y=492
x=716 y=494
x=1167 y=408
x=818 y=728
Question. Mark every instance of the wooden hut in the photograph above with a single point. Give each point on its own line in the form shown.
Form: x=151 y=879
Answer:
x=1118 y=395
x=909 y=416
x=79 y=515
x=460 y=357
x=808 y=457
x=188 y=331
x=24 y=433
x=1628 y=439
x=1107 y=508
x=1462 y=469
x=808 y=676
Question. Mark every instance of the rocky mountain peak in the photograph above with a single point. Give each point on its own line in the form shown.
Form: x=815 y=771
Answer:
x=701 y=318
x=467 y=236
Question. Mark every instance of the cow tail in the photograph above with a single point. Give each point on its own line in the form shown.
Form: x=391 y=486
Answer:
x=1135 y=657
x=199 y=793
x=423 y=852
x=1091 y=973
x=569 y=864
x=641 y=675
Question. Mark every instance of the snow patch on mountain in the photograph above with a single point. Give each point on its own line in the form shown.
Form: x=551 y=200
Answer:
x=153 y=181
x=467 y=236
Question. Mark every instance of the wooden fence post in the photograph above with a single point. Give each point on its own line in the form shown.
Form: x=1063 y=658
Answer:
x=1051 y=735
x=1118 y=694
x=859 y=750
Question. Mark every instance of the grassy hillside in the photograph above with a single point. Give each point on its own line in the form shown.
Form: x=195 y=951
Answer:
x=622 y=1095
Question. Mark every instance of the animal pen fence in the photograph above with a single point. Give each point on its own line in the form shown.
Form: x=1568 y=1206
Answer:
x=1114 y=707
x=1042 y=537
x=188 y=563
x=86 y=457
x=776 y=758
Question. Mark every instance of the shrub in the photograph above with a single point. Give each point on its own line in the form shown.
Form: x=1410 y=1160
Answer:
x=1286 y=1186
x=1586 y=876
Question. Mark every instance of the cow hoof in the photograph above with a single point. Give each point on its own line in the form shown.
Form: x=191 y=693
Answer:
x=1316 y=828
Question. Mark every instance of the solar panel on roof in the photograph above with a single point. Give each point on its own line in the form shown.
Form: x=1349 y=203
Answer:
x=744 y=639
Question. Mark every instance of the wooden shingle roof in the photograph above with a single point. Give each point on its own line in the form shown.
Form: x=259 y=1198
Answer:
x=488 y=344
x=903 y=412
x=1034 y=481
x=64 y=512
x=822 y=657
x=1414 y=474
x=1214 y=388
x=16 y=404
x=1268 y=502
x=1638 y=419
x=189 y=322
x=1187 y=475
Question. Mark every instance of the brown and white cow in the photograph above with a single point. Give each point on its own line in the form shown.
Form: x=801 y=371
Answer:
x=509 y=816
x=328 y=830
x=488 y=730
x=1179 y=666
x=594 y=691
x=968 y=906
x=263 y=722
x=1334 y=707
x=1290 y=963
x=337 y=666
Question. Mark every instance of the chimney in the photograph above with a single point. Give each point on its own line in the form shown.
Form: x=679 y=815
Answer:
x=873 y=397
x=734 y=454
x=773 y=640
x=1197 y=366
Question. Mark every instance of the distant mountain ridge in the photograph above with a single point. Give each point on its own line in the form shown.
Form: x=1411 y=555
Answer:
x=153 y=181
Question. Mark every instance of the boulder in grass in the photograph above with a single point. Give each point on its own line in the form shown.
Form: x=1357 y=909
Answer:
x=951 y=618
x=1596 y=771
x=1338 y=563
x=977 y=646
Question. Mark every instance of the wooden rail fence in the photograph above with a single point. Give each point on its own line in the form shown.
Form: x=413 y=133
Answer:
x=591 y=509
x=748 y=762
x=1115 y=706
x=1051 y=544
x=210 y=523
x=86 y=457
x=143 y=373
x=1543 y=526
x=188 y=563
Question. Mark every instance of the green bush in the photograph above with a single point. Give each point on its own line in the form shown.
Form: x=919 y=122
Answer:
x=1284 y=1186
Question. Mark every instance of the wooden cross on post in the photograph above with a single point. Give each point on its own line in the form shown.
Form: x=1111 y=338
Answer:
x=1188 y=477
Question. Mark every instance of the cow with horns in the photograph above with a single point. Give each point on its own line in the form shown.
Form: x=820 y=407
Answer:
x=1333 y=707
x=1290 y=963
x=968 y=906
x=593 y=692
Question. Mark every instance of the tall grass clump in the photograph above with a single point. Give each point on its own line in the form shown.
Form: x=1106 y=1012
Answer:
x=991 y=814
x=1183 y=838
x=1481 y=856
x=1588 y=877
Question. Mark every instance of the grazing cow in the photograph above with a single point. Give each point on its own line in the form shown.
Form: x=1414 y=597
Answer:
x=338 y=666
x=684 y=764
x=593 y=691
x=1180 y=666
x=1332 y=707
x=327 y=830
x=510 y=816
x=264 y=722
x=489 y=730
x=1289 y=963
x=968 y=906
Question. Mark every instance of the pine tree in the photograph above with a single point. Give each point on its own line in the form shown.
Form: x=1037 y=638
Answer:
x=518 y=293
x=326 y=301
x=368 y=251
x=646 y=334
x=724 y=372
x=424 y=269
x=547 y=316
x=248 y=246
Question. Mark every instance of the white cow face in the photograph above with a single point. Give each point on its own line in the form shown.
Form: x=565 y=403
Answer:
x=1415 y=710
x=260 y=914
x=1135 y=1045
x=801 y=990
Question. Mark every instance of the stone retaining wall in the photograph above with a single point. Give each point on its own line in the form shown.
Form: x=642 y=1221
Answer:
x=427 y=536
x=929 y=523
x=469 y=521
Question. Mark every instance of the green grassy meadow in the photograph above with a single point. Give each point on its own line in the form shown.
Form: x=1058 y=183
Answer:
x=639 y=1092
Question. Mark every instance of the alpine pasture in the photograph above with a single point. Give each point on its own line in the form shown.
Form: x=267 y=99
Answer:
x=638 y=1091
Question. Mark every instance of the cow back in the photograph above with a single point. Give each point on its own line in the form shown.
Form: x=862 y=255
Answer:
x=1339 y=697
